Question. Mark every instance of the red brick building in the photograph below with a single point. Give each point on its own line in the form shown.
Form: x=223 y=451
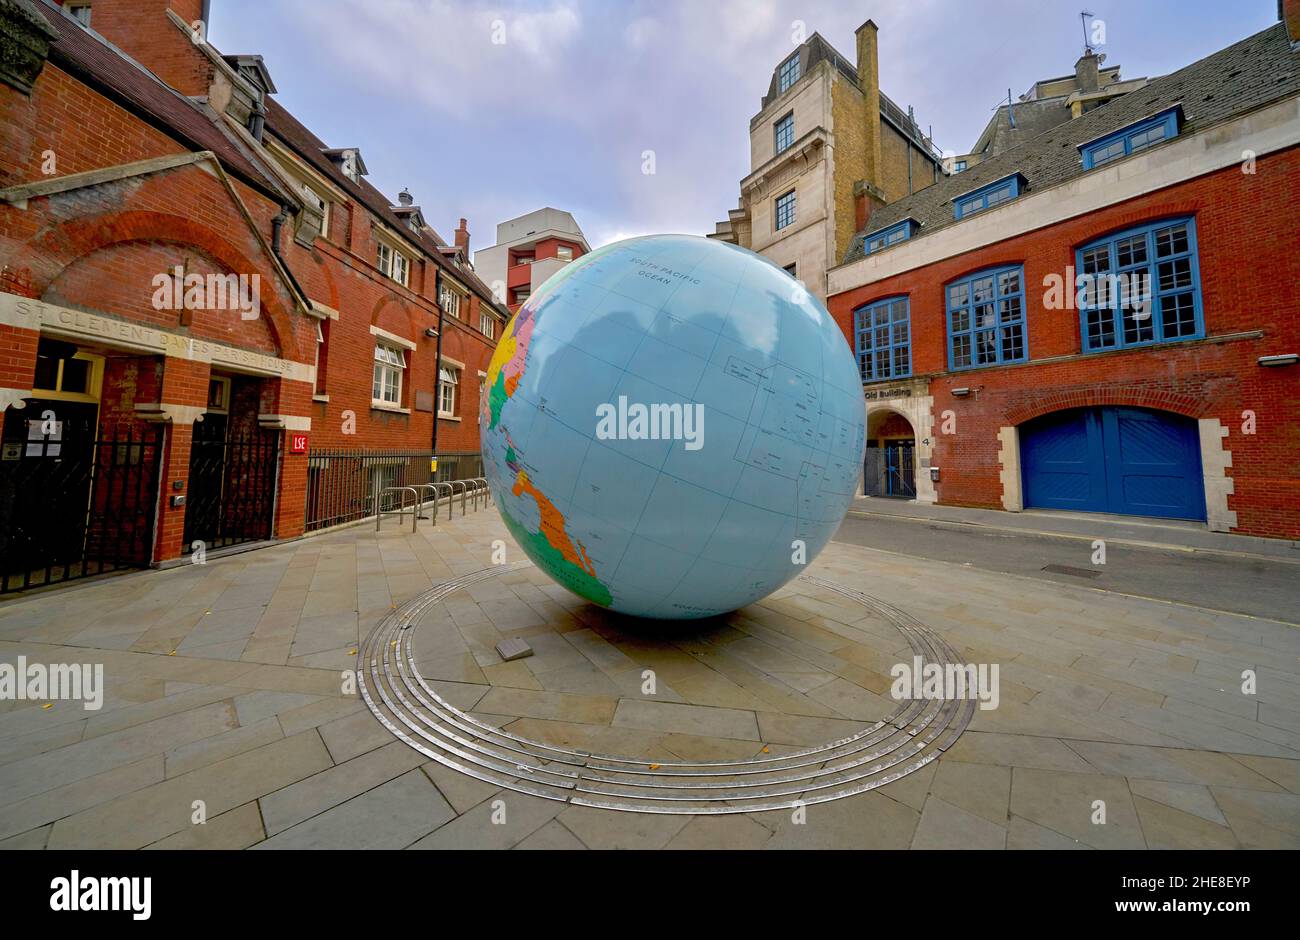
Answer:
x=1103 y=318
x=215 y=330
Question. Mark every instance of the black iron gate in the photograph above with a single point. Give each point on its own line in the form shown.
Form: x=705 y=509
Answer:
x=231 y=496
x=890 y=470
x=74 y=504
x=900 y=468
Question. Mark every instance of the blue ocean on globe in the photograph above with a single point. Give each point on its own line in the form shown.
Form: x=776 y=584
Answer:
x=673 y=427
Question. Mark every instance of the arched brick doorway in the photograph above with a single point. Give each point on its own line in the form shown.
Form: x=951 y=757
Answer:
x=890 y=467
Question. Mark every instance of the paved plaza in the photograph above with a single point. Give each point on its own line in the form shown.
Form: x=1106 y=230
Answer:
x=224 y=693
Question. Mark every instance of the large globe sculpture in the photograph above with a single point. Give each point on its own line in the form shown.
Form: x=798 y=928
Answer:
x=672 y=427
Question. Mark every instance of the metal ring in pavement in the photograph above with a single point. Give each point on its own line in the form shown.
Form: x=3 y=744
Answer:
x=907 y=739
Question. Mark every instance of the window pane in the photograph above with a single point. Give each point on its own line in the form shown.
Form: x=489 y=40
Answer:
x=902 y=360
x=1009 y=282
x=1176 y=274
x=1001 y=194
x=1178 y=315
x=961 y=351
x=1138 y=324
x=1147 y=137
x=1013 y=342
x=1171 y=241
x=957 y=295
x=1109 y=152
x=986 y=347
x=1101 y=329
x=76 y=376
x=1009 y=309
x=1096 y=259
x=960 y=320
x=982 y=289
x=1130 y=251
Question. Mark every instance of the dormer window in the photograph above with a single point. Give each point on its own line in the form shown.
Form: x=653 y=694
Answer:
x=986 y=197
x=1131 y=139
x=349 y=162
x=79 y=12
x=887 y=237
x=788 y=74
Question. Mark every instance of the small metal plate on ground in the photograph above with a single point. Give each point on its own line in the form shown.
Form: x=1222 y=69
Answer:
x=1077 y=572
x=513 y=648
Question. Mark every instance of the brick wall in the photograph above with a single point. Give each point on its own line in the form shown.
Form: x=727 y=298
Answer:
x=1247 y=229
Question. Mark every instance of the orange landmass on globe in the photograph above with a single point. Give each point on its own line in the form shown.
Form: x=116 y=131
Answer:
x=553 y=526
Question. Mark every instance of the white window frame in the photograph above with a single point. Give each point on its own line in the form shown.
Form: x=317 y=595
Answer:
x=564 y=252
x=317 y=389
x=487 y=324
x=392 y=263
x=449 y=299
x=448 y=380
x=390 y=361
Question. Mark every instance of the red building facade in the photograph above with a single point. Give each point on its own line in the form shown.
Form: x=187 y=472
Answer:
x=215 y=330
x=1004 y=368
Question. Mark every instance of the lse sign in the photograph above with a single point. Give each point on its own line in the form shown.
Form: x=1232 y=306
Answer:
x=297 y=443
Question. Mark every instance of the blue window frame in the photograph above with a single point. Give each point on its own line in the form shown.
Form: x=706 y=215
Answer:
x=1130 y=139
x=958 y=166
x=1140 y=286
x=986 y=318
x=877 y=241
x=789 y=73
x=785 y=210
x=986 y=197
x=884 y=339
x=785 y=132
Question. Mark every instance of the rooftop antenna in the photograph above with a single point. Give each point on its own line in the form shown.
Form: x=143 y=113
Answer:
x=1083 y=23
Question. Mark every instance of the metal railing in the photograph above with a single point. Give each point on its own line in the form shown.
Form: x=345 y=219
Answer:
x=348 y=485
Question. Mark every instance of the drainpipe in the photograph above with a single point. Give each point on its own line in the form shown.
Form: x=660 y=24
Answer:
x=437 y=356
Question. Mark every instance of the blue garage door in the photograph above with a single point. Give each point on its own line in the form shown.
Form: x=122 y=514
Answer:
x=1121 y=460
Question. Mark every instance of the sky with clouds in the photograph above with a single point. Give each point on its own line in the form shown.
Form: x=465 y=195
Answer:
x=488 y=110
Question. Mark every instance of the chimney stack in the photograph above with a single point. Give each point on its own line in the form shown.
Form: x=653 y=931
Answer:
x=1288 y=11
x=867 y=198
x=1086 y=72
x=462 y=238
x=143 y=30
x=869 y=82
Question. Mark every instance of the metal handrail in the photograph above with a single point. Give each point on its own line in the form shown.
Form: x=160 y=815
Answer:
x=420 y=501
x=464 y=490
x=380 y=512
x=471 y=484
x=450 y=493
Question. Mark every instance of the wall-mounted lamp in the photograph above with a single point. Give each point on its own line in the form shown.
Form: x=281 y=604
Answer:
x=1285 y=359
x=934 y=474
x=431 y=332
x=960 y=392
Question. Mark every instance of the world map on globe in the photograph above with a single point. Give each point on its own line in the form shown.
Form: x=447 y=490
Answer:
x=673 y=427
